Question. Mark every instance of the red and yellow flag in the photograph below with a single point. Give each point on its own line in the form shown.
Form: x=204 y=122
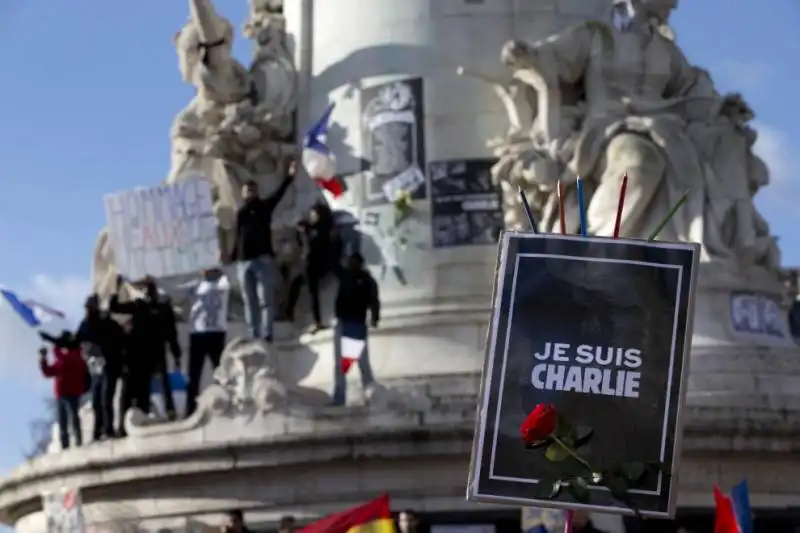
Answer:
x=371 y=517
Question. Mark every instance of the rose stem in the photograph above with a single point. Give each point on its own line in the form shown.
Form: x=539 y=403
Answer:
x=562 y=217
x=582 y=207
x=572 y=453
x=669 y=216
x=568 y=521
x=621 y=204
x=528 y=211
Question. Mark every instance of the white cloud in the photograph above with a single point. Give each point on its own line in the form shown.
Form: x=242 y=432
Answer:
x=744 y=76
x=18 y=342
x=774 y=148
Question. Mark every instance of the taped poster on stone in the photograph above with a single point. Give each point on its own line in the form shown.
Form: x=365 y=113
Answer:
x=584 y=378
x=63 y=511
x=163 y=231
x=393 y=137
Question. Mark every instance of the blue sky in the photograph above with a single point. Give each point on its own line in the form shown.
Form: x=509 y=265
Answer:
x=91 y=88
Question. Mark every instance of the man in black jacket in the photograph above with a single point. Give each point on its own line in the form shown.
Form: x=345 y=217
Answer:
x=254 y=255
x=105 y=338
x=321 y=250
x=358 y=293
x=153 y=326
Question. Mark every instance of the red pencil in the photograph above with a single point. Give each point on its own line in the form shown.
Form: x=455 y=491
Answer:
x=621 y=205
x=561 y=215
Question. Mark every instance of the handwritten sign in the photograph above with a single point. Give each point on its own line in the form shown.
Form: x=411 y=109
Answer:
x=758 y=315
x=163 y=231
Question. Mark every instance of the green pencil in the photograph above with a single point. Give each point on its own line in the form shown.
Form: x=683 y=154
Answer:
x=669 y=216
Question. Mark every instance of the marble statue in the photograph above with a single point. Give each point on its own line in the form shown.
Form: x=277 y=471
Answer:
x=238 y=126
x=605 y=98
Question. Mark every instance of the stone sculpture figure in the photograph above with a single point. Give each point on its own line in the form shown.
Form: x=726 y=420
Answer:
x=239 y=124
x=606 y=98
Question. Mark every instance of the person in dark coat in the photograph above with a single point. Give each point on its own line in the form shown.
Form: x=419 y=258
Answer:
x=321 y=250
x=153 y=327
x=254 y=255
x=357 y=297
x=104 y=338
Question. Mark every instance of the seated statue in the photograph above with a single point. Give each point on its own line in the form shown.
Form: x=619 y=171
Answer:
x=612 y=98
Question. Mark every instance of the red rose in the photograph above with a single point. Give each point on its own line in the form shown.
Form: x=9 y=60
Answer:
x=539 y=424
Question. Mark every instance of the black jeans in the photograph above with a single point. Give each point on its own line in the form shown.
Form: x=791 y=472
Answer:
x=67 y=412
x=315 y=271
x=202 y=345
x=104 y=388
x=135 y=392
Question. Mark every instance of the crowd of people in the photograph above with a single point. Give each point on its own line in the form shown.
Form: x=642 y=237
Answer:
x=128 y=342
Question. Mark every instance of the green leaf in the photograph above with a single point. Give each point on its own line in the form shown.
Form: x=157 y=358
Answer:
x=616 y=484
x=556 y=453
x=582 y=435
x=633 y=472
x=579 y=490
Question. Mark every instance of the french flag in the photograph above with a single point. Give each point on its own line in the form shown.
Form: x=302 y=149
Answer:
x=318 y=160
x=33 y=313
x=354 y=341
x=733 y=512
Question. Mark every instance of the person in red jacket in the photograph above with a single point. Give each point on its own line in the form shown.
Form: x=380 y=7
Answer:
x=70 y=374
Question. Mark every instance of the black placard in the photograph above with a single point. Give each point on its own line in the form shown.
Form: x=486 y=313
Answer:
x=393 y=136
x=465 y=205
x=629 y=300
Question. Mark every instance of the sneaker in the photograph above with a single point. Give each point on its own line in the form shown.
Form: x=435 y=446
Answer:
x=171 y=415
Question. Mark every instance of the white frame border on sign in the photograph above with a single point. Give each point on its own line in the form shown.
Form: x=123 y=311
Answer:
x=473 y=489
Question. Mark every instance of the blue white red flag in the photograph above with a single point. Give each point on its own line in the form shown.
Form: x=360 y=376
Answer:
x=733 y=512
x=33 y=313
x=353 y=343
x=318 y=160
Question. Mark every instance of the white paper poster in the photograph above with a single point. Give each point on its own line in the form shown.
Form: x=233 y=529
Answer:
x=163 y=231
x=63 y=511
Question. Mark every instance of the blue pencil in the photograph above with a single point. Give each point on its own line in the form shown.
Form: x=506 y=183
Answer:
x=528 y=211
x=582 y=207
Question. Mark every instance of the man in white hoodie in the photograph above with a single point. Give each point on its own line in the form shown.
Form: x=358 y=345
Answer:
x=208 y=322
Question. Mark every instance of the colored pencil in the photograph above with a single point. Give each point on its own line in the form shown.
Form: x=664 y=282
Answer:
x=620 y=205
x=582 y=207
x=562 y=216
x=668 y=217
x=528 y=211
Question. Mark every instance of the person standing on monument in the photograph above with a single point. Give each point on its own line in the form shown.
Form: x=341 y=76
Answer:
x=208 y=320
x=321 y=250
x=153 y=326
x=254 y=254
x=105 y=339
x=358 y=294
x=71 y=381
